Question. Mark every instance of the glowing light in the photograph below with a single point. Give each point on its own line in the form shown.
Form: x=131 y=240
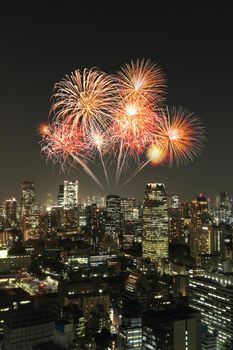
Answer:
x=155 y=154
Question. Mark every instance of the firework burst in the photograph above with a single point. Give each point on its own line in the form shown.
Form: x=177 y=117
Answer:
x=180 y=134
x=85 y=99
x=142 y=80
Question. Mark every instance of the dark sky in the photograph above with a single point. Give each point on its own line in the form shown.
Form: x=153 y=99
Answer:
x=41 y=43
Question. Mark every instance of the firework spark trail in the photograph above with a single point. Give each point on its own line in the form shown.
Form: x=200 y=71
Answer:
x=98 y=142
x=87 y=169
x=155 y=156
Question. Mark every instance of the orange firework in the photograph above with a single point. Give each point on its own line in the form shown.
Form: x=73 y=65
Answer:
x=142 y=80
x=85 y=99
x=134 y=125
x=180 y=134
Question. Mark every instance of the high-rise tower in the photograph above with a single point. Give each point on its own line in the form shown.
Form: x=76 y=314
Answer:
x=27 y=197
x=70 y=194
x=155 y=222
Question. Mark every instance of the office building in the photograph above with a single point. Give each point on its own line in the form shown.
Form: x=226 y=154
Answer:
x=155 y=223
x=212 y=295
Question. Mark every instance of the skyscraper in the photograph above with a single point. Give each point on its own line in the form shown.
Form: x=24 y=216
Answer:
x=155 y=222
x=112 y=223
x=27 y=197
x=200 y=226
x=70 y=194
x=10 y=213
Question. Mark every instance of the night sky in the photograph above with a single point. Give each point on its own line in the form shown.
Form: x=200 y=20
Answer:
x=41 y=43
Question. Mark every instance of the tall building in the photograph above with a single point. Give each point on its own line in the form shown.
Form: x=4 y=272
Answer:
x=27 y=197
x=221 y=241
x=200 y=227
x=60 y=197
x=10 y=213
x=155 y=222
x=212 y=295
x=71 y=189
x=113 y=210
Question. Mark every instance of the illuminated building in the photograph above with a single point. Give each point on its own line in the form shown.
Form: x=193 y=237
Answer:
x=130 y=329
x=222 y=240
x=14 y=263
x=200 y=227
x=10 y=213
x=26 y=328
x=209 y=342
x=60 y=197
x=127 y=206
x=173 y=329
x=212 y=295
x=81 y=215
x=173 y=201
x=86 y=294
x=71 y=190
x=155 y=222
x=27 y=197
x=112 y=223
x=30 y=212
x=99 y=201
x=223 y=210
x=11 y=299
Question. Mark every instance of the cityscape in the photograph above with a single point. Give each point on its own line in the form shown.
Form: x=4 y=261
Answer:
x=108 y=272
x=116 y=198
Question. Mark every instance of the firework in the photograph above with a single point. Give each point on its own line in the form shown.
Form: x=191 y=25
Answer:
x=85 y=99
x=180 y=134
x=142 y=80
x=119 y=121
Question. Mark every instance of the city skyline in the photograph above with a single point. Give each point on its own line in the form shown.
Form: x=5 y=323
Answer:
x=193 y=49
